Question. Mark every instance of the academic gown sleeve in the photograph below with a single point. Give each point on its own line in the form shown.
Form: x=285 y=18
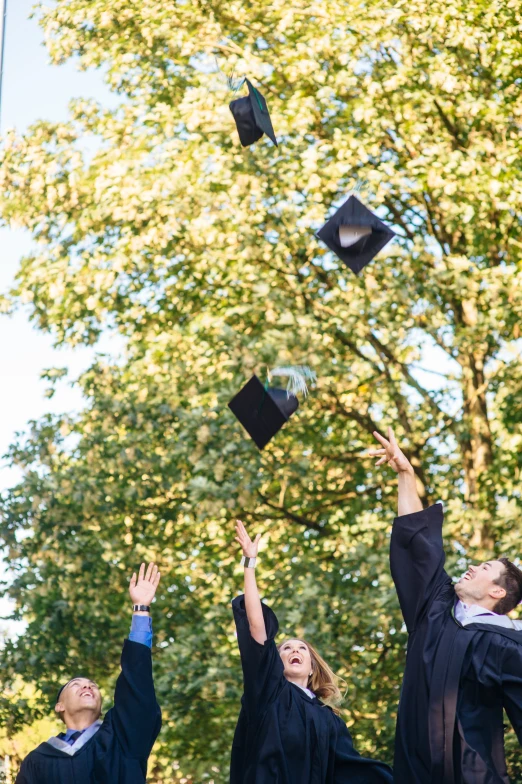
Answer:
x=262 y=666
x=417 y=562
x=24 y=774
x=350 y=766
x=136 y=715
x=511 y=675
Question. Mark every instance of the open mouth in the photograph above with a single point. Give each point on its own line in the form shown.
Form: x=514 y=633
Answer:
x=86 y=694
x=295 y=660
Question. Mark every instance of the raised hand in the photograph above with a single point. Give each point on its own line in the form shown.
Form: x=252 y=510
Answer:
x=391 y=453
x=248 y=546
x=254 y=608
x=143 y=587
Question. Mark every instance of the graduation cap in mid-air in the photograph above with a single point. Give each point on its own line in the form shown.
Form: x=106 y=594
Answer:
x=263 y=409
x=252 y=117
x=355 y=234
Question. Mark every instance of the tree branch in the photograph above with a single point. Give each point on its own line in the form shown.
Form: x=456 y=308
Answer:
x=284 y=512
x=386 y=352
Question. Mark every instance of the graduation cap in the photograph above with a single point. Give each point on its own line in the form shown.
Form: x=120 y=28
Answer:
x=263 y=410
x=252 y=117
x=355 y=234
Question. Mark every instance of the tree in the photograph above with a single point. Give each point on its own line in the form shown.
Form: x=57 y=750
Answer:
x=202 y=256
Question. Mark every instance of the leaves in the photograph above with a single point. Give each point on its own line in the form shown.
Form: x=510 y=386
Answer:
x=201 y=255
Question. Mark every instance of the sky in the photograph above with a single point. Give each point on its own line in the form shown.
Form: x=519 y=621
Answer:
x=33 y=89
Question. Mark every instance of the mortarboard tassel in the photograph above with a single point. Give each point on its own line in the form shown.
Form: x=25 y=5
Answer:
x=297 y=377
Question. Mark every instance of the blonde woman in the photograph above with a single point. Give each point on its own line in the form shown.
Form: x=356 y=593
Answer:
x=289 y=731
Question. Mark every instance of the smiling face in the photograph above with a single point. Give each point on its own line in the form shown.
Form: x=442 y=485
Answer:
x=478 y=585
x=81 y=695
x=297 y=660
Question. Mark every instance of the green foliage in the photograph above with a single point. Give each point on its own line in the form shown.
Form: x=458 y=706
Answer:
x=201 y=255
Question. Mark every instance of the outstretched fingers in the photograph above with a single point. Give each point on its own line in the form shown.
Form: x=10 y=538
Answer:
x=242 y=532
x=147 y=574
x=381 y=439
x=248 y=545
x=385 y=453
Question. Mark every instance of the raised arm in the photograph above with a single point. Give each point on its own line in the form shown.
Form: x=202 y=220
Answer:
x=136 y=715
x=253 y=606
x=390 y=453
x=256 y=627
x=416 y=548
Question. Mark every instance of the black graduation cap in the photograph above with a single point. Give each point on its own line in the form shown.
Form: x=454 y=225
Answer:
x=355 y=234
x=252 y=117
x=263 y=410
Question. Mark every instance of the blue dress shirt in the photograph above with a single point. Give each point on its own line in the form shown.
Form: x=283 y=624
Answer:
x=141 y=630
x=71 y=736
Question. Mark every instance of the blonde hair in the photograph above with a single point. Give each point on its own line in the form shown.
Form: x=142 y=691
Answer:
x=323 y=681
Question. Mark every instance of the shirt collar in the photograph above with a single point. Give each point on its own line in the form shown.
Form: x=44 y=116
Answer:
x=70 y=732
x=470 y=610
x=84 y=738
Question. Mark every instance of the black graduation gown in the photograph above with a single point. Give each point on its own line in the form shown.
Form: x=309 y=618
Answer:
x=457 y=679
x=118 y=752
x=283 y=736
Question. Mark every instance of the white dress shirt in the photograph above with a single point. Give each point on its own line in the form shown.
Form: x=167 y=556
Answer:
x=473 y=613
x=306 y=691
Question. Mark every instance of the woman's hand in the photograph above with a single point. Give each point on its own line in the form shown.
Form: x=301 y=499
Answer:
x=253 y=606
x=391 y=454
x=248 y=546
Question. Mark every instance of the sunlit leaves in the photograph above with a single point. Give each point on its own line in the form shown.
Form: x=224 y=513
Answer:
x=152 y=221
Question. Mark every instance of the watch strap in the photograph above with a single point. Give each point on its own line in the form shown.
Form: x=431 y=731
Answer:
x=248 y=563
x=140 y=608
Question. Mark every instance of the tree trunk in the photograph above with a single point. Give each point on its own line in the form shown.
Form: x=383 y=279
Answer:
x=476 y=445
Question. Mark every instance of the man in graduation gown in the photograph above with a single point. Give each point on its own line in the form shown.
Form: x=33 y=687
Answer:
x=115 y=750
x=464 y=659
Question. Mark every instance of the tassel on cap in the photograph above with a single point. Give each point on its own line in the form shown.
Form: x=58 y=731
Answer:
x=297 y=377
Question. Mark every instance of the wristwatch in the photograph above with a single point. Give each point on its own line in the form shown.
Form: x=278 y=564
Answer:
x=249 y=563
x=140 y=608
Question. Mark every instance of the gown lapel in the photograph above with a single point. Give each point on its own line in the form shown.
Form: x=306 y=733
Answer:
x=453 y=645
x=451 y=651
